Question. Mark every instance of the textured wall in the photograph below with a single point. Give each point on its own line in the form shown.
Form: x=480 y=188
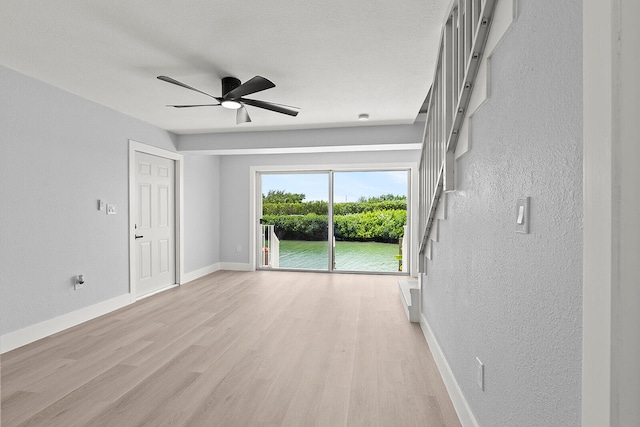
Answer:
x=59 y=154
x=514 y=300
x=201 y=211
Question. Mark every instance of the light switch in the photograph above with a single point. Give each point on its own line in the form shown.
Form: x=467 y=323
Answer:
x=480 y=374
x=111 y=209
x=101 y=205
x=522 y=215
x=520 y=219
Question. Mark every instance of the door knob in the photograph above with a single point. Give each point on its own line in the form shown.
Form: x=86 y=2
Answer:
x=139 y=237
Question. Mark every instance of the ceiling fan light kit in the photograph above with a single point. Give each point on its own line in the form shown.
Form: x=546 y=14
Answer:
x=231 y=104
x=232 y=97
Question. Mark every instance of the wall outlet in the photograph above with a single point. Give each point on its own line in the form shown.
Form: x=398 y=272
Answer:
x=480 y=374
x=78 y=282
x=111 y=209
x=238 y=248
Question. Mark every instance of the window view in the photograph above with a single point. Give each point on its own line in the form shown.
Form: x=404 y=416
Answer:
x=294 y=221
x=370 y=215
x=368 y=225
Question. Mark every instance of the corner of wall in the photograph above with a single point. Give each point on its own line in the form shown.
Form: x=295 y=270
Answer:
x=460 y=404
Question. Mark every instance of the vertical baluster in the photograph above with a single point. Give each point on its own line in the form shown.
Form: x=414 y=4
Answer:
x=423 y=194
x=433 y=139
x=436 y=143
x=443 y=114
x=454 y=56
x=428 y=150
x=436 y=132
x=468 y=30
x=448 y=75
x=421 y=189
x=461 y=60
x=477 y=10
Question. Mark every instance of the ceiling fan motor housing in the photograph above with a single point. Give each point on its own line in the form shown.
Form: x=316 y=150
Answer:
x=229 y=84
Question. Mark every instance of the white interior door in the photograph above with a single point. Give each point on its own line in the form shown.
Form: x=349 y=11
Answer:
x=155 y=259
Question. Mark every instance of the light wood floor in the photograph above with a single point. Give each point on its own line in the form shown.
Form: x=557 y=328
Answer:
x=236 y=349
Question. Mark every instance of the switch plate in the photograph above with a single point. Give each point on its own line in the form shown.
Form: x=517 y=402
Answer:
x=238 y=249
x=111 y=209
x=480 y=374
x=522 y=215
x=101 y=205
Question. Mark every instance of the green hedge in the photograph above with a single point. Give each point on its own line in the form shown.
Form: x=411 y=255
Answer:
x=321 y=208
x=298 y=227
x=378 y=226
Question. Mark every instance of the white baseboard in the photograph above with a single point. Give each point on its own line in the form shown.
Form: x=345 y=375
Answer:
x=196 y=274
x=235 y=266
x=457 y=398
x=150 y=294
x=24 y=336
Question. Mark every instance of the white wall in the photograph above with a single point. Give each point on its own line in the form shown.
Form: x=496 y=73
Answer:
x=235 y=190
x=59 y=154
x=201 y=211
x=515 y=300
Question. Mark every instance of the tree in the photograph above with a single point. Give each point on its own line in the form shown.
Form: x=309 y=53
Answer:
x=280 y=196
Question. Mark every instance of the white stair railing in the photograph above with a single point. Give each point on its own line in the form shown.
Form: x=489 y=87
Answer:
x=461 y=47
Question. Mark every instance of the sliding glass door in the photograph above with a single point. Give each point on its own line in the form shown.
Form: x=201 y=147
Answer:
x=369 y=217
x=294 y=227
x=347 y=221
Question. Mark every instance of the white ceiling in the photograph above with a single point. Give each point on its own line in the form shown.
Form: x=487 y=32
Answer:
x=335 y=59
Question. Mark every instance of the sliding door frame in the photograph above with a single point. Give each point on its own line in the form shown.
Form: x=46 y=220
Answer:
x=255 y=189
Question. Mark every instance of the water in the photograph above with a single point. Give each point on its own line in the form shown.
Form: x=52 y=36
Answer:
x=349 y=256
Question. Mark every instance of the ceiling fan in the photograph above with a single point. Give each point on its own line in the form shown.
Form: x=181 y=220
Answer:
x=233 y=93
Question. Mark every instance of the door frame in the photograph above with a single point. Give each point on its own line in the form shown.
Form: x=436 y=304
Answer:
x=255 y=199
x=178 y=159
x=610 y=271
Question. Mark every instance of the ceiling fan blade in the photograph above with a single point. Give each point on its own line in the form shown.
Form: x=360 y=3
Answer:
x=242 y=116
x=198 y=105
x=254 y=85
x=278 y=108
x=177 y=83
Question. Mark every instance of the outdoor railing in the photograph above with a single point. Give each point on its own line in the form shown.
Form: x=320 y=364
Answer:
x=270 y=255
x=461 y=47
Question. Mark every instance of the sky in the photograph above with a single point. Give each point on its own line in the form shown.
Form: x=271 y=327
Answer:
x=348 y=186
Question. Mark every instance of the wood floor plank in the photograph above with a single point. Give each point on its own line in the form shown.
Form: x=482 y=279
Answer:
x=138 y=404
x=363 y=403
x=333 y=410
x=265 y=348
